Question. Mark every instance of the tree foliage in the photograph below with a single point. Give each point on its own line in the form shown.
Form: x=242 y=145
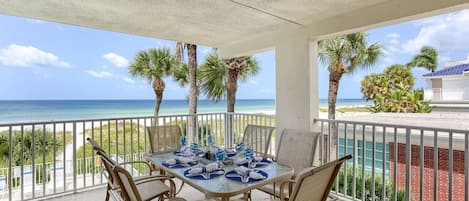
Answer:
x=428 y=59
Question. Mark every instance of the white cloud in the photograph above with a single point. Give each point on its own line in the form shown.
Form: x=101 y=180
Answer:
x=102 y=74
x=394 y=42
x=29 y=56
x=117 y=60
x=36 y=21
x=393 y=35
x=445 y=33
x=128 y=80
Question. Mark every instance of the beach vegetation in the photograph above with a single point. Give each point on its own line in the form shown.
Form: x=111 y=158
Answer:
x=153 y=65
x=392 y=91
x=219 y=77
x=366 y=184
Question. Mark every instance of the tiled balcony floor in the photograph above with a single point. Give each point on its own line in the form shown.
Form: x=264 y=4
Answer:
x=187 y=192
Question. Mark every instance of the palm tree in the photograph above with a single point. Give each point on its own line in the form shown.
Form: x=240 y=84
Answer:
x=428 y=59
x=188 y=74
x=343 y=54
x=219 y=77
x=154 y=64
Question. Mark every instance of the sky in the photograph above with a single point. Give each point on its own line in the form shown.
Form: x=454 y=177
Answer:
x=46 y=60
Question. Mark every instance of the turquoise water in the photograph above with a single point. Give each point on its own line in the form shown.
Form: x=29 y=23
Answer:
x=47 y=110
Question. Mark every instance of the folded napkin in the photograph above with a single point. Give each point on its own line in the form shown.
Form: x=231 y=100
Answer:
x=186 y=152
x=245 y=160
x=244 y=171
x=175 y=161
x=212 y=167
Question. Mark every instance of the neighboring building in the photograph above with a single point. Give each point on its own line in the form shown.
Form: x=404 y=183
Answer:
x=450 y=84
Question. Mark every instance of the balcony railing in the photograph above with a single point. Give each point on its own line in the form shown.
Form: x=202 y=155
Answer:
x=391 y=162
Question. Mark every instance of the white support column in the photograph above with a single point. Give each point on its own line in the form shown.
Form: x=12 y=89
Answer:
x=297 y=98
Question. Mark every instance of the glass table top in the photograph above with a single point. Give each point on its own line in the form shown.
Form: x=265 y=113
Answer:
x=222 y=186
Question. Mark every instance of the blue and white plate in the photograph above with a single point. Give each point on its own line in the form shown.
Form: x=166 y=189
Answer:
x=230 y=153
x=204 y=176
x=180 y=165
x=259 y=164
x=233 y=176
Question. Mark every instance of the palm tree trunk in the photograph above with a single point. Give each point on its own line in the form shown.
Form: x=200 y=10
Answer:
x=158 y=87
x=193 y=88
x=232 y=88
x=334 y=79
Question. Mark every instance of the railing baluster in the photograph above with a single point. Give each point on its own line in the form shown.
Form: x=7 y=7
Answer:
x=373 y=163
x=363 y=161
x=74 y=157
x=383 y=192
x=345 y=163
x=396 y=143
x=408 y=161
x=435 y=165
x=64 y=157
x=22 y=162
x=422 y=165
x=466 y=167
x=10 y=154
x=54 y=156
x=84 y=154
x=355 y=156
x=450 y=168
x=33 y=167
x=92 y=154
x=321 y=143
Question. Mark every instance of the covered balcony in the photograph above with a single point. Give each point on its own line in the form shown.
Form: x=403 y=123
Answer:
x=399 y=160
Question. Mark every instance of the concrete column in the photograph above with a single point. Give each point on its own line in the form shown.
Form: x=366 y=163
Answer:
x=297 y=98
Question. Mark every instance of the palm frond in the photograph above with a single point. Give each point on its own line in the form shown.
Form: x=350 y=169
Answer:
x=249 y=68
x=212 y=76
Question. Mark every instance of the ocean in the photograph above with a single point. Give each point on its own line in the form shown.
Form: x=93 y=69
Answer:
x=48 y=110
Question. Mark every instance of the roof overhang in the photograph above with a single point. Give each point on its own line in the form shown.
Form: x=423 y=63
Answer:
x=234 y=26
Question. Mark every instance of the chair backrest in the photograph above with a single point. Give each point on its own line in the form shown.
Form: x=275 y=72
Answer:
x=95 y=145
x=258 y=137
x=297 y=148
x=127 y=184
x=108 y=163
x=164 y=138
x=316 y=183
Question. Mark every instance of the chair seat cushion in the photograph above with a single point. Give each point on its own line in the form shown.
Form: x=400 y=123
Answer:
x=151 y=189
x=269 y=189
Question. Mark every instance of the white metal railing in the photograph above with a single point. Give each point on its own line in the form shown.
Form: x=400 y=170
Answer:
x=439 y=94
x=389 y=160
x=33 y=163
x=397 y=162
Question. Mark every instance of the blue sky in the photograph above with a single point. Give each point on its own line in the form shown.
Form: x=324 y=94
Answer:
x=45 y=60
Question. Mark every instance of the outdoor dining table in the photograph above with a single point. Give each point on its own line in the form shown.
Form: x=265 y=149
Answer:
x=221 y=187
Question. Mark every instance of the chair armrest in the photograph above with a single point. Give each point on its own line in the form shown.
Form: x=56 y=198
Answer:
x=282 y=186
x=137 y=162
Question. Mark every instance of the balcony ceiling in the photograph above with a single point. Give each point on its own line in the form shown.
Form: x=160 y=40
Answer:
x=215 y=22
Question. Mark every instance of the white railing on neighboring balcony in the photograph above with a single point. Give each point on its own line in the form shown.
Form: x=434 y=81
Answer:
x=389 y=162
x=396 y=162
x=439 y=94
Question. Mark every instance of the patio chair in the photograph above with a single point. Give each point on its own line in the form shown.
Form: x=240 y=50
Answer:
x=313 y=184
x=297 y=149
x=109 y=165
x=258 y=137
x=146 y=190
x=164 y=138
